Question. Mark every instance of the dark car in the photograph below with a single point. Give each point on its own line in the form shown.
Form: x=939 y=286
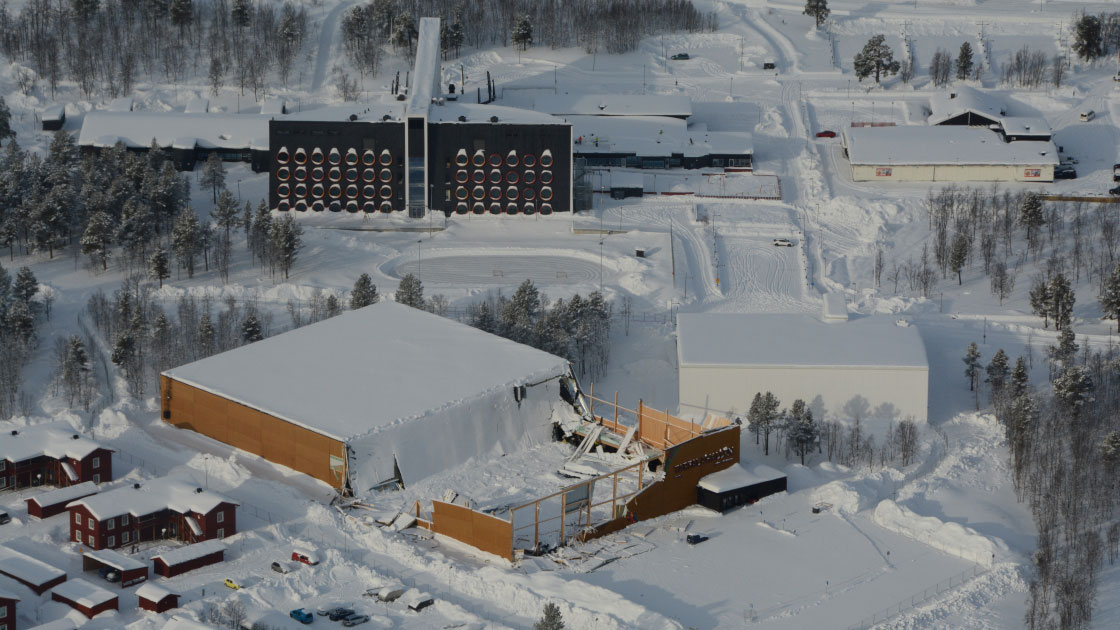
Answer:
x=695 y=539
x=355 y=620
x=1114 y=191
x=1065 y=172
x=339 y=614
x=4 y=518
x=680 y=57
x=302 y=616
x=109 y=575
x=826 y=134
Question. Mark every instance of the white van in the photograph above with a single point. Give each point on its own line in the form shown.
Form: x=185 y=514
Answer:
x=1086 y=116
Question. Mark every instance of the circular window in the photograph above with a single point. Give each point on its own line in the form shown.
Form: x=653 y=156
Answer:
x=386 y=192
x=495 y=193
x=478 y=177
x=282 y=156
x=479 y=193
x=546 y=159
x=546 y=208
x=461 y=158
x=369 y=175
x=529 y=194
x=283 y=173
x=351 y=206
x=546 y=194
x=479 y=208
x=511 y=159
x=386 y=206
x=284 y=205
x=529 y=161
x=546 y=177
x=461 y=177
x=495 y=160
x=317 y=174
x=495 y=208
x=461 y=193
x=301 y=206
x=530 y=177
x=317 y=156
x=317 y=206
x=511 y=193
x=461 y=208
x=336 y=206
x=334 y=157
x=511 y=177
x=335 y=191
x=351 y=157
x=335 y=175
x=369 y=207
x=529 y=209
x=495 y=176
x=511 y=208
x=283 y=190
x=351 y=174
x=301 y=190
x=317 y=191
x=386 y=157
x=300 y=156
x=352 y=191
x=300 y=173
x=479 y=159
x=368 y=158
x=386 y=175
x=369 y=192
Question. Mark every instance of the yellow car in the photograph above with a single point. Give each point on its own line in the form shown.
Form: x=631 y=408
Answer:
x=231 y=584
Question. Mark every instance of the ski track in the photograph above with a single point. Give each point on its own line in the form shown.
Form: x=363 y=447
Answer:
x=326 y=41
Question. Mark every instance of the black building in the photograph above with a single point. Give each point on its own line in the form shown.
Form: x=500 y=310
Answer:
x=735 y=486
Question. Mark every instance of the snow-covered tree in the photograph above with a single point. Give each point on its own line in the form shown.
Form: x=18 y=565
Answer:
x=410 y=292
x=1073 y=388
x=213 y=175
x=181 y=13
x=1002 y=280
x=818 y=10
x=1110 y=296
x=1087 y=41
x=1031 y=217
x=364 y=292
x=762 y=416
x=972 y=366
x=240 y=13
x=186 y=240
x=1065 y=351
x=1040 y=300
x=206 y=335
x=6 y=130
x=484 y=319
x=522 y=34
x=964 y=62
x=876 y=59
x=405 y=32
x=286 y=239
x=98 y=238
x=25 y=286
x=217 y=70
x=959 y=255
x=226 y=212
x=1020 y=378
x=1110 y=449
x=802 y=432
x=998 y=370
x=941 y=67
x=76 y=371
x=551 y=619
x=1062 y=299
x=159 y=267
x=251 y=327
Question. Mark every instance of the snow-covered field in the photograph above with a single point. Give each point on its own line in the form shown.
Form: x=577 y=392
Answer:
x=942 y=543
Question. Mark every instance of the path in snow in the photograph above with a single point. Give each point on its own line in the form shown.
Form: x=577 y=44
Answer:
x=326 y=40
x=473 y=270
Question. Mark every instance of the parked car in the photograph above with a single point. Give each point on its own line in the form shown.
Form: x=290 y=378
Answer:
x=338 y=614
x=826 y=134
x=783 y=242
x=418 y=600
x=109 y=574
x=325 y=609
x=1114 y=191
x=354 y=620
x=769 y=64
x=4 y=518
x=302 y=615
x=1116 y=77
x=680 y=57
x=1088 y=115
x=281 y=567
x=305 y=556
x=390 y=593
x=231 y=584
x=695 y=539
x=1065 y=172
x=1116 y=172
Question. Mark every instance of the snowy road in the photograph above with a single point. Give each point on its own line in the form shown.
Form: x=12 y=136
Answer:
x=759 y=277
x=326 y=41
x=473 y=270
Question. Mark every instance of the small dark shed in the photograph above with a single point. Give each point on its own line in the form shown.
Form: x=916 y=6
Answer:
x=739 y=485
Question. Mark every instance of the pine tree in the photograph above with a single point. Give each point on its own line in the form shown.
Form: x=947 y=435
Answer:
x=159 y=267
x=410 y=292
x=755 y=417
x=803 y=433
x=6 y=130
x=186 y=240
x=1087 y=38
x=1040 y=300
x=551 y=620
x=123 y=349
x=522 y=35
x=405 y=32
x=75 y=369
x=1073 y=388
x=215 y=74
x=240 y=13
x=247 y=219
x=25 y=286
x=1110 y=449
x=206 y=335
x=484 y=319
x=334 y=307
x=818 y=10
x=98 y=238
x=1110 y=297
x=226 y=212
x=876 y=58
x=364 y=293
x=1065 y=351
x=959 y=255
x=251 y=328
x=181 y=13
x=964 y=62
x=1020 y=378
x=972 y=366
x=1031 y=217
x=286 y=239
x=19 y=322
x=213 y=175
x=1062 y=299
x=998 y=370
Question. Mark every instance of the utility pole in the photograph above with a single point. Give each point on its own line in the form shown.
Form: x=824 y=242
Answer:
x=673 y=254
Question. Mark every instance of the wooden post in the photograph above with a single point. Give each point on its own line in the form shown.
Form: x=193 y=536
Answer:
x=641 y=419
x=593 y=401
x=614 y=496
x=589 y=489
x=616 y=410
x=666 y=428
x=536 y=525
x=563 y=514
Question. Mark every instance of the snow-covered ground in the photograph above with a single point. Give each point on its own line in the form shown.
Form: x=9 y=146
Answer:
x=941 y=543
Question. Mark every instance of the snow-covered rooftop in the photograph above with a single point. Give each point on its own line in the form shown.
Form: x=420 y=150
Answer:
x=154 y=592
x=835 y=307
x=54 y=112
x=368 y=112
x=565 y=104
x=951 y=145
x=1025 y=126
x=65 y=495
x=957 y=100
x=654 y=136
x=137 y=129
x=368 y=369
x=83 y=593
x=190 y=552
x=120 y=104
x=182 y=623
x=65 y=623
x=450 y=112
x=426 y=76
x=739 y=476
x=23 y=567
x=796 y=340
x=152 y=496
x=115 y=559
x=53 y=439
x=8 y=595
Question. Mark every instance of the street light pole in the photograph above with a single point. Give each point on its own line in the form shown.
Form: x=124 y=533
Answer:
x=419 y=262
x=600 y=266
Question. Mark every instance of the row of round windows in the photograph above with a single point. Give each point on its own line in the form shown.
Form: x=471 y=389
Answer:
x=302 y=205
x=333 y=156
x=478 y=193
x=334 y=191
x=300 y=173
x=509 y=208
x=495 y=177
x=480 y=159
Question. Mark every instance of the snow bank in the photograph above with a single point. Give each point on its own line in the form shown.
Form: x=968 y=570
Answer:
x=842 y=496
x=948 y=537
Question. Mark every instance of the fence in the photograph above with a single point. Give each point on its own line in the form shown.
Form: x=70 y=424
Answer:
x=919 y=598
x=654 y=428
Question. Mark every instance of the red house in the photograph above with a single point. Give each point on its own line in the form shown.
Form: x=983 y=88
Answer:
x=160 y=509
x=52 y=455
x=8 y=610
x=32 y=573
x=189 y=558
x=131 y=570
x=156 y=598
x=54 y=502
x=89 y=599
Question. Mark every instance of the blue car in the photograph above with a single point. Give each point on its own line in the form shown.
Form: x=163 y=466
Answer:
x=303 y=616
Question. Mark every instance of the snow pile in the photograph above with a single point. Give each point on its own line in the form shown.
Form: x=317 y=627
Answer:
x=948 y=537
x=842 y=496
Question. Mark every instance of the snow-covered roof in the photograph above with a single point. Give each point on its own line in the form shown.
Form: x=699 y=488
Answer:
x=426 y=77
x=182 y=623
x=957 y=100
x=65 y=495
x=190 y=552
x=154 y=592
x=788 y=340
x=368 y=369
x=54 y=112
x=120 y=104
x=115 y=559
x=53 y=439
x=565 y=104
x=83 y=593
x=739 y=476
x=65 y=623
x=835 y=307
x=210 y=131
x=627 y=179
x=368 y=112
x=8 y=595
x=654 y=136
x=949 y=145
x=23 y=567
x=152 y=496
x=450 y=112
x=199 y=105
x=1025 y=126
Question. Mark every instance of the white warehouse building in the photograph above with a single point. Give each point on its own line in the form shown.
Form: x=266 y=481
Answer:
x=725 y=359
